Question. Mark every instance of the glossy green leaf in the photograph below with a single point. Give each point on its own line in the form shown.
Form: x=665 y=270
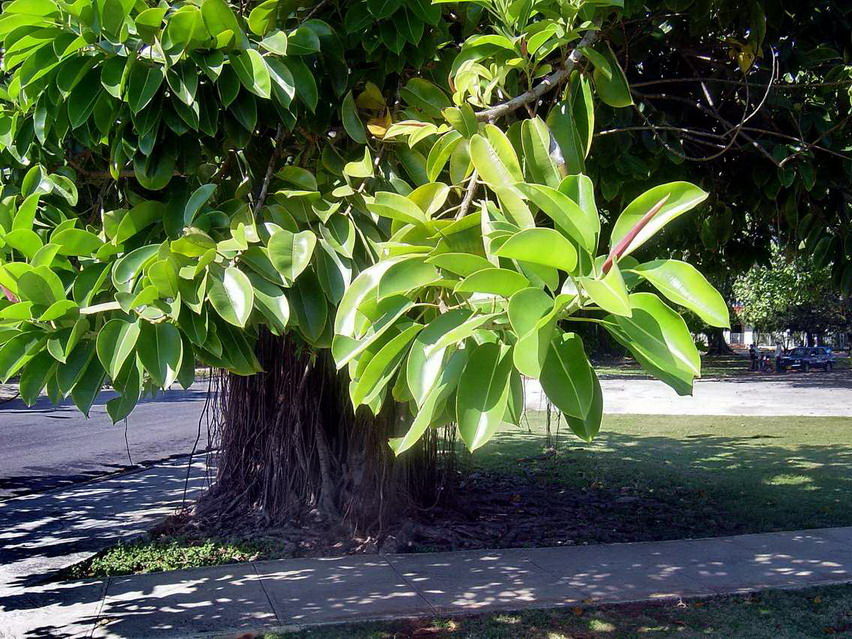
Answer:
x=425 y=362
x=290 y=253
x=252 y=72
x=682 y=196
x=540 y=246
x=406 y=276
x=433 y=403
x=497 y=165
x=567 y=378
x=382 y=366
x=142 y=84
x=575 y=222
x=493 y=281
x=609 y=292
x=483 y=394
x=351 y=120
x=160 y=350
x=610 y=82
x=34 y=377
x=115 y=343
x=684 y=285
x=538 y=163
x=232 y=295
x=658 y=338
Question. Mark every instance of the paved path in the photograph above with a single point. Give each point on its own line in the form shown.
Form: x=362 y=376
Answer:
x=806 y=394
x=40 y=534
x=48 y=446
x=300 y=592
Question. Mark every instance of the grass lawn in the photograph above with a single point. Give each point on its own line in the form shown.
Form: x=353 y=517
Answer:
x=712 y=367
x=756 y=473
x=815 y=612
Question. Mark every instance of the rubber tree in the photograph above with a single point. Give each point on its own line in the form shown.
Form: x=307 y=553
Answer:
x=366 y=212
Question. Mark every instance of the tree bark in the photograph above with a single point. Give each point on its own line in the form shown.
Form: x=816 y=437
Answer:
x=716 y=344
x=290 y=446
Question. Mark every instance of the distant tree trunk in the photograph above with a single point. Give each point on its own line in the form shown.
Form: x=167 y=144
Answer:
x=716 y=344
x=291 y=445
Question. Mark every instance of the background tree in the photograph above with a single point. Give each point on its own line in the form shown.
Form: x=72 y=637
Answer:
x=389 y=189
x=792 y=294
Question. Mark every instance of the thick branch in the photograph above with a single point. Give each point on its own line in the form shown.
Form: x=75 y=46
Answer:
x=548 y=84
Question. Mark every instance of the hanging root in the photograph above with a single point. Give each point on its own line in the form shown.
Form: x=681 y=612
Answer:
x=292 y=449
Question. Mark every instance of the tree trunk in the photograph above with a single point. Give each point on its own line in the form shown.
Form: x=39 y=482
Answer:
x=290 y=446
x=716 y=344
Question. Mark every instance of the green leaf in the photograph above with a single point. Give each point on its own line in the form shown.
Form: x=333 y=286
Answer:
x=82 y=100
x=264 y=17
x=460 y=332
x=115 y=343
x=40 y=286
x=232 y=295
x=567 y=378
x=290 y=253
x=397 y=207
x=275 y=42
x=685 y=286
x=588 y=427
x=88 y=387
x=610 y=82
x=252 y=72
x=609 y=292
x=463 y=264
x=497 y=165
x=575 y=222
x=17 y=351
x=351 y=121
x=433 y=403
x=539 y=165
x=494 y=281
x=382 y=366
x=76 y=242
x=310 y=307
x=483 y=394
x=658 y=338
x=142 y=84
x=532 y=315
x=222 y=23
x=406 y=276
x=131 y=390
x=138 y=218
x=128 y=267
x=418 y=92
x=271 y=301
x=424 y=364
x=35 y=375
x=160 y=350
x=440 y=153
x=682 y=196
x=540 y=246
x=70 y=372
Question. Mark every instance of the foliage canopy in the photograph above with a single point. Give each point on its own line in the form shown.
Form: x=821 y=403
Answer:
x=397 y=181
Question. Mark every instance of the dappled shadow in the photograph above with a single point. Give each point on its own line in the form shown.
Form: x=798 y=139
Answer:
x=646 y=487
x=40 y=534
x=227 y=599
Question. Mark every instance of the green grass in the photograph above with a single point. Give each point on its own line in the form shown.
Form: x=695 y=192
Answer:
x=723 y=474
x=815 y=612
x=712 y=367
x=685 y=476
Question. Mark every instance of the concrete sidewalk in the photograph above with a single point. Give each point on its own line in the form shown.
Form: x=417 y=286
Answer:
x=40 y=534
x=300 y=592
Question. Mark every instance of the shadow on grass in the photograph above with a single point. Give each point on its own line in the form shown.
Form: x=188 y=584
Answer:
x=764 y=478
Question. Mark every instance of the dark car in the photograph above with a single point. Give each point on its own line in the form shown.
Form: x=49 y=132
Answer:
x=807 y=357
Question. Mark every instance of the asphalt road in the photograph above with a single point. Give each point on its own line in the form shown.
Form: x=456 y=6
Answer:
x=49 y=446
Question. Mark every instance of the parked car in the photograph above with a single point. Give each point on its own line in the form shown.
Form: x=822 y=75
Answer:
x=806 y=357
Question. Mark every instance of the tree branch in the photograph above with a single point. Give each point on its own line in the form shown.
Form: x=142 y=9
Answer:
x=547 y=84
x=270 y=169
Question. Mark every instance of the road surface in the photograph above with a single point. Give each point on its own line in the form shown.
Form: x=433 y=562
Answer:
x=813 y=394
x=48 y=446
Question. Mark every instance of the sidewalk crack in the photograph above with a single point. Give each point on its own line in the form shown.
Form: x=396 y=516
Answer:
x=100 y=608
x=410 y=584
x=268 y=598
